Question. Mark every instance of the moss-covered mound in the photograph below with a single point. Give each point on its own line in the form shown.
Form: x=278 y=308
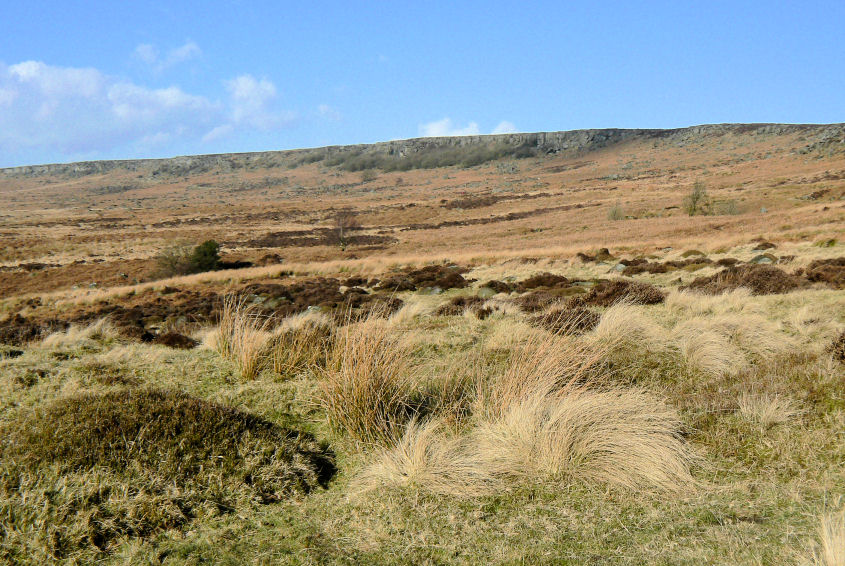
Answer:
x=89 y=469
x=171 y=434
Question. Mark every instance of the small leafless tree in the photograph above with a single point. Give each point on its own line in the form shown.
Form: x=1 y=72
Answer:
x=345 y=223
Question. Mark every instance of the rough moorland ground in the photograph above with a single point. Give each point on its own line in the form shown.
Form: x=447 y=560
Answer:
x=493 y=370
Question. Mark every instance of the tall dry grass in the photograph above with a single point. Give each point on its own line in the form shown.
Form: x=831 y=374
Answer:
x=767 y=410
x=619 y=437
x=300 y=342
x=829 y=549
x=367 y=387
x=548 y=415
x=79 y=335
x=541 y=366
x=242 y=336
x=429 y=458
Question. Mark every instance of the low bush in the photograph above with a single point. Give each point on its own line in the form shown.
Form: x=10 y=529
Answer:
x=182 y=259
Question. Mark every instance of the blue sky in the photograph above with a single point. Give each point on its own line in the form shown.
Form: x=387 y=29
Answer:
x=110 y=80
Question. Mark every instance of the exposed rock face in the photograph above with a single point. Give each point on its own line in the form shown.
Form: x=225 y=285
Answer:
x=822 y=137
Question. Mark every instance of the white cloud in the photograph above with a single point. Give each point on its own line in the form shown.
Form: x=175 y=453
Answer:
x=68 y=112
x=504 y=127
x=252 y=106
x=149 y=55
x=445 y=127
x=146 y=53
x=329 y=113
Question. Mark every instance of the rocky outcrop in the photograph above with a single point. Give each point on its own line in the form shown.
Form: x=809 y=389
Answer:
x=817 y=137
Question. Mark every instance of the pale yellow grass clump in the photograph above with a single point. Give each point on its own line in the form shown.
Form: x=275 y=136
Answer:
x=546 y=417
x=752 y=333
x=242 y=336
x=767 y=410
x=410 y=312
x=426 y=457
x=514 y=334
x=547 y=364
x=623 y=438
x=624 y=329
x=366 y=387
x=300 y=342
x=76 y=335
x=686 y=303
x=706 y=351
x=829 y=550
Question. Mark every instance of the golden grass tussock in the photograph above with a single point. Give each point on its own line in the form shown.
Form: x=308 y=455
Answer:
x=767 y=410
x=78 y=335
x=366 y=387
x=622 y=438
x=706 y=351
x=540 y=367
x=619 y=437
x=300 y=342
x=753 y=334
x=242 y=336
x=426 y=457
x=408 y=313
x=829 y=548
x=623 y=327
x=690 y=303
x=513 y=334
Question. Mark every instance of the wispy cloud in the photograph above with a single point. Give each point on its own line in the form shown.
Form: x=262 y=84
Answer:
x=72 y=111
x=504 y=127
x=150 y=55
x=445 y=127
x=253 y=105
x=329 y=113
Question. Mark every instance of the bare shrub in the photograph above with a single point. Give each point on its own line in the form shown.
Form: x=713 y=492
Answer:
x=697 y=201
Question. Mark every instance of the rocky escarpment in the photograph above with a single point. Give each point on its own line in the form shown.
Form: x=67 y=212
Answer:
x=821 y=137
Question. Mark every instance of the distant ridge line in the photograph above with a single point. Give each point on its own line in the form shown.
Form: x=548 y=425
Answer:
x=547 y=142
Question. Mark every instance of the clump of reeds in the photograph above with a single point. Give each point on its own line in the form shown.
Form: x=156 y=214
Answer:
x=242 y=336
x=366 y=387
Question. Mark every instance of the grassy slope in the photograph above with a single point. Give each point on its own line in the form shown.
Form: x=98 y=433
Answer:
x=763 y=488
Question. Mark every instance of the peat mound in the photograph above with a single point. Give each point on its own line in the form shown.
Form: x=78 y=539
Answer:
x=607 y=293
x=546 y=279
x=440 y=276
x=829 y=271
x=567 y=321
x=458 y=305
x=759 y=279
x=837 y=348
